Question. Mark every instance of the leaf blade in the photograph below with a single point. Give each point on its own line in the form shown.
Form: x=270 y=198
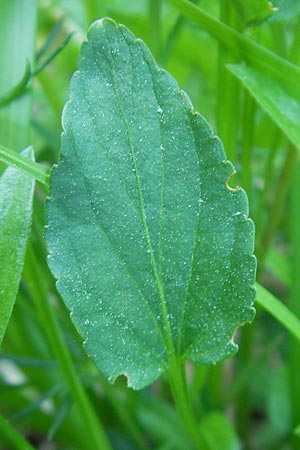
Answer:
x=282 y=108
x=15 y=219
x=135 y=200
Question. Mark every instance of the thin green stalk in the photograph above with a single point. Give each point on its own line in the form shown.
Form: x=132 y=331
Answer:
x=183 y=405
x=278 y=310
x=126 y=419
x=25 y=165
x=53 y=55
x=97 y=435
x=53 y=96
x=243 y=399
x=172 y=38
x=294 y=354
x=19 y=89
x=50 y=39
x=254 y=54
x=276 y=211
x=247 y=144
x=268 y=179
x=13 y=437
x=155 y=25
x=279 y=39
x=95 y=9
x=227 y=115
x=295 y=50
x=228 y=89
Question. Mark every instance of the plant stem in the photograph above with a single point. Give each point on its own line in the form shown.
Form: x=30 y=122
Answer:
x=25 y=165
x=295 y=53
x=183 y=405
x=12 y=436
x=294 y=354
x=97 y=434
x=248 y=122
x=172 y=38
x=155 y=25
x=268 y=179
x=278 y=310
x=228 y=90
x=278 y=204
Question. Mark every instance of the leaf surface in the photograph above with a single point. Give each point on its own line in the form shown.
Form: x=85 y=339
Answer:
x=282 y=107
x=151 y=249
x=16 y=192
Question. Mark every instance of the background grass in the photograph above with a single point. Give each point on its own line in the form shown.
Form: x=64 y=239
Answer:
x=249 y=402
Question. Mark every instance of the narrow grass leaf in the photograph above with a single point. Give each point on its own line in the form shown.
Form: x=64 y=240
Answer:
x=246 y=49
x=282 y=108
x=9 y=435
x=219 y=432
x=19 y=89
x=16 y=192
x=278 y=310
x=152 y=250
x=25 y=164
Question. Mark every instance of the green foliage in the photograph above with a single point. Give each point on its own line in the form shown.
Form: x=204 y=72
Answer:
x=283 y=109
x=15 y=221
x=50 y=390
x=279 y=311
x=220 y=432
x=254 y=12
x=147 y=265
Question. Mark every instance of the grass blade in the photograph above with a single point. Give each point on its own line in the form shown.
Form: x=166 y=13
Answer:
x=254 y=54
x=17 y=39
x=25 y=165
x=278 y=310
x=15 y=222
x=12 y=436
x=283 y=109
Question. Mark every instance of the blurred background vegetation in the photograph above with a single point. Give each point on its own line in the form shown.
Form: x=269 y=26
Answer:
x=249 y=402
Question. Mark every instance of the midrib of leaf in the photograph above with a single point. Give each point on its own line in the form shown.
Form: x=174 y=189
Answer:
x=123 y=263
x=182 y=316
x=158 y=282
x=186 y=294
x=117 y=320
x=161 y=222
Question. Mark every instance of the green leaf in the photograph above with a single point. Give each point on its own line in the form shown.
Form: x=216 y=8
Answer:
x=25 y=165
x=161 y=421
x=16 y=191
x=278 y=310
x=11 y=436
x=258 y=56
x=151 y=248
x=254 y=12
x=219 y=432
x=283 y=109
